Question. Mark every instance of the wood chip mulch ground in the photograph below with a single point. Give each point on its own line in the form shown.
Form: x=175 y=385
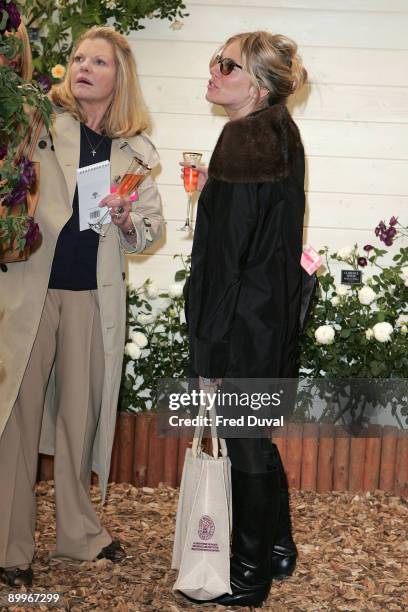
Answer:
x=353 y=553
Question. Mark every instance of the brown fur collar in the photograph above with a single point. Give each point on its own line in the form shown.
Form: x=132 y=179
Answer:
x=256 y=148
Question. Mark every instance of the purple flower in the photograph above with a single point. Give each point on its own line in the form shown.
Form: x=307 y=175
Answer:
x=16 y=196
x=14 y=18
x=44 y=82
x=14 y=15
x=387 y=241
x=3 y=151
x=381 y=227
x=27 y=179
x=368 y=248
x=27 y=176
x=362 y=261
x=391 y=232
x=33 y=232
x=393 y=221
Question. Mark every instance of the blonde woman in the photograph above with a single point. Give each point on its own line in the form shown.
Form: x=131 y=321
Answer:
x=63 y=311
x=244 y=294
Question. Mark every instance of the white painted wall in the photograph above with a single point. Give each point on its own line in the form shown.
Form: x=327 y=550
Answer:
x=353 y=116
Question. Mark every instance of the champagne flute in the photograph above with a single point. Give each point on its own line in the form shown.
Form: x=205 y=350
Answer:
x=190 y=175
x=124 y=187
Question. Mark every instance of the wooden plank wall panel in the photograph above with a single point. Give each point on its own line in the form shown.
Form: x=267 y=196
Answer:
x=331 y=173
x=353 y=115
x=363 y=103
x=324 y=28
x=325 y=209
x=327 y=65
x=322 y=138
x=332 y=5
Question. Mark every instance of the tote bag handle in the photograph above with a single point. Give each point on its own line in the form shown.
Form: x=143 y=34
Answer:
x=217 y=442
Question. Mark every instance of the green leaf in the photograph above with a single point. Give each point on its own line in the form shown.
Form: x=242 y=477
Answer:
x=375 y=368
x=4 y=19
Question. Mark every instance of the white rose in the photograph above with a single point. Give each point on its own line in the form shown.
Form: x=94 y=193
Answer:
x=131 y=287
x=325 y=334
x=382 y=331
x=404 y=330
x=110 y=4
x=152 y=291
x=335 y=301
x=139 y=339
x=342 y=290
x=145 y=319
x=402 y=320
x=132 y=350
x=345 y=253
x=366 y=295
x=176 y=290
x=404 y=275
x=369 y=333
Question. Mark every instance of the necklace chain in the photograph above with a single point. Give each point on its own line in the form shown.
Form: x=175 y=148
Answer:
x=93 y=147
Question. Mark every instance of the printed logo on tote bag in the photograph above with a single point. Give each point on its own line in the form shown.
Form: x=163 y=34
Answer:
x=206 y=528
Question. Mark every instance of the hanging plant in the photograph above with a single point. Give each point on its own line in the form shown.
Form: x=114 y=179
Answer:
x=55 y=25
x=23 y=107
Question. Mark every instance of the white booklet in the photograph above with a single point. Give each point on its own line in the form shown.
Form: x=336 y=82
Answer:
x=93 y=185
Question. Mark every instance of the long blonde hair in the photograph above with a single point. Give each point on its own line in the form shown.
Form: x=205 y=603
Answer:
x=272 y=61
x=127 y=114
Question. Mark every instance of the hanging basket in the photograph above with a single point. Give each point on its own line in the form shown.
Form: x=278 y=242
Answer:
x=14 y=224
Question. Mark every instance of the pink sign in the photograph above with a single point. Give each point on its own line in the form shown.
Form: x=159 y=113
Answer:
x=310 y=260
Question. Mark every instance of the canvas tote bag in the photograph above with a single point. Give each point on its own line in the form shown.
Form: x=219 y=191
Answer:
x=201 y=548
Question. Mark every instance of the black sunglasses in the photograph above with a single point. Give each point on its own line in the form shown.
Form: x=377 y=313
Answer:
x=227 y=65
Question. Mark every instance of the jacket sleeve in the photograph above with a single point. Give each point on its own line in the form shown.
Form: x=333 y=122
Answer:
x=230 y=225
x=146 y=212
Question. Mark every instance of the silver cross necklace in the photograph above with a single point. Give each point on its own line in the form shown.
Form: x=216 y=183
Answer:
x=93 y=147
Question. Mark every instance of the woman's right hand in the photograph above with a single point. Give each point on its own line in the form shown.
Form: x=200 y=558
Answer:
x=202 y=174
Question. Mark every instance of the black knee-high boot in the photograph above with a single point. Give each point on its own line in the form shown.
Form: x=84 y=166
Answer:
x=256 y=500
x=284 y=551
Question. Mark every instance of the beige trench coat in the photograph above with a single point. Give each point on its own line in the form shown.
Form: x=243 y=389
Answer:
x=24 y=286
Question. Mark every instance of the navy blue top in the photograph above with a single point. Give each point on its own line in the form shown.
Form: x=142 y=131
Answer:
x=74 y=263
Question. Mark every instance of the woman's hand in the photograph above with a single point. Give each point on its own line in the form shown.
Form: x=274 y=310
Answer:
x=120 y=210
x=209 y=384
x=202 y=174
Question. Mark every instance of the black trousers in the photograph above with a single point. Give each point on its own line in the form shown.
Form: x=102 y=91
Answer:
x=253 y=455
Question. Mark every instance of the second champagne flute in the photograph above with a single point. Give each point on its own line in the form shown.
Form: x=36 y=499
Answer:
x=191 y=158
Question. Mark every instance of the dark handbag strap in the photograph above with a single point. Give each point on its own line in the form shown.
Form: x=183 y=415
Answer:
x=29 y=142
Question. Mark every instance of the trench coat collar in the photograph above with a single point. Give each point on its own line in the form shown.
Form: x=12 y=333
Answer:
x=66 y=140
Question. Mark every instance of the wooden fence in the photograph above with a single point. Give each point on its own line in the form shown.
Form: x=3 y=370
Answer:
x=316 y=457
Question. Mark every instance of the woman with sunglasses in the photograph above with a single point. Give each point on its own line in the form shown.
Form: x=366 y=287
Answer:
x=244 y=294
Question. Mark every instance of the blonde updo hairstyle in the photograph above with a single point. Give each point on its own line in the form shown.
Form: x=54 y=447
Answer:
x=126 y=115
x=273 y=62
